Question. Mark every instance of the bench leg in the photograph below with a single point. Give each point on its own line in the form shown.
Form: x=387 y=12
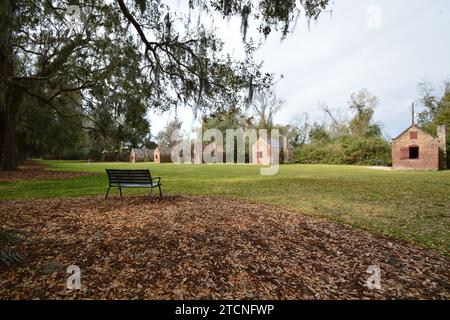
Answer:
x=120 y=189
x=160 y=194
x=107 y=191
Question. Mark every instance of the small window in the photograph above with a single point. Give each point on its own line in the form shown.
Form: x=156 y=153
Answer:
x=414 y=152
x=413 y=135
x=156 y=156
x=260 y=154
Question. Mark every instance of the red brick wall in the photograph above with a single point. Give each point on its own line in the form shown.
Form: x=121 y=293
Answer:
x=428 y=151
x=442 y=133
x=157 y=156
x=261 y=146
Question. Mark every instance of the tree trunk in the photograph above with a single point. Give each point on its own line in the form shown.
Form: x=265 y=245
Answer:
x=8 y=138
x=10 y=99
x=9 y=118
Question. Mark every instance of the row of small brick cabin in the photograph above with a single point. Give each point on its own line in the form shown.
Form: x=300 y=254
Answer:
x=261 y=153
x=413 y=149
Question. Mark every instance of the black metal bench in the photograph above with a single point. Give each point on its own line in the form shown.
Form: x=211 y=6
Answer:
x=132 y=179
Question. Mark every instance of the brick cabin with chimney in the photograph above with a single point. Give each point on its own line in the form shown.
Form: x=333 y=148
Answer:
x=415 y=149
x=262 y=151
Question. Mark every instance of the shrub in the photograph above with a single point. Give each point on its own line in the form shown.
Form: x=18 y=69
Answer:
x=369 y=151
x=319 y=154
x=359 y=151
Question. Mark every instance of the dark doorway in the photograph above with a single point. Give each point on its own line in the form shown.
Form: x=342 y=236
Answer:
x=414 y=152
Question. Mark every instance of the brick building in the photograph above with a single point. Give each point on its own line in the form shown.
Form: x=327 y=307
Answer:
x=162 y=155
x=262 y=151
x=415 y=149
x=141 y=155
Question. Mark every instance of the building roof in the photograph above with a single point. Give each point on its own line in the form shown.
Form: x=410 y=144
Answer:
x=164 y=150
x=416 y=127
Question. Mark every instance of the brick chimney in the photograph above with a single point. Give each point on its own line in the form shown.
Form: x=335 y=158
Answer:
x=285 y=150
x=441 y=134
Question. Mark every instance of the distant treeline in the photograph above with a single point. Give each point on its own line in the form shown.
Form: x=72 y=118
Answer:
x=359 y=140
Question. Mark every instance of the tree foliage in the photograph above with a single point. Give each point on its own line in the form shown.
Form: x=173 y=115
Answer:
x=297 y=131
x=265 y=107
x=435 y=110
x=112 y=56
x=357 y=141
x=170 y=135
x=363 y=104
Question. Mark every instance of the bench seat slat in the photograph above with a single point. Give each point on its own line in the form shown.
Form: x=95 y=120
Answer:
x=128 y=172
x=135 y=185
x=131 y=178
x=134 y=182
x=130 y=181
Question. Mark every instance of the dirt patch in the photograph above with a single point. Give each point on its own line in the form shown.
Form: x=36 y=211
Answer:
x=202 y=247
x=32 y=170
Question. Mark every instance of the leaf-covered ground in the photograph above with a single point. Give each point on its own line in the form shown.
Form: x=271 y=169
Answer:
x=203 y=247
x=407 y=205
x=33 y=170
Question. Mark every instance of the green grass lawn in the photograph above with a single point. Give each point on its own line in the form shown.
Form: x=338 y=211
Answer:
x=407 y=205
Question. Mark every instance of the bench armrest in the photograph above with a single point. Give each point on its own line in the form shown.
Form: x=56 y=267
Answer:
x=156 y=178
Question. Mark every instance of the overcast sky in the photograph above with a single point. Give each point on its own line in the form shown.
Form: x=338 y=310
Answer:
x=349 y=50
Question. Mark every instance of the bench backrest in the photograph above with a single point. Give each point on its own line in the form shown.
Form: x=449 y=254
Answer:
x=129 y=176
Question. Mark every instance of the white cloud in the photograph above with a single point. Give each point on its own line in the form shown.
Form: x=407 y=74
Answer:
x=339 y=55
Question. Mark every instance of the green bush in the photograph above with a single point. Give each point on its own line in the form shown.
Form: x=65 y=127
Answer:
x=319 y=153
x=352 y=151
x=369 y=151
